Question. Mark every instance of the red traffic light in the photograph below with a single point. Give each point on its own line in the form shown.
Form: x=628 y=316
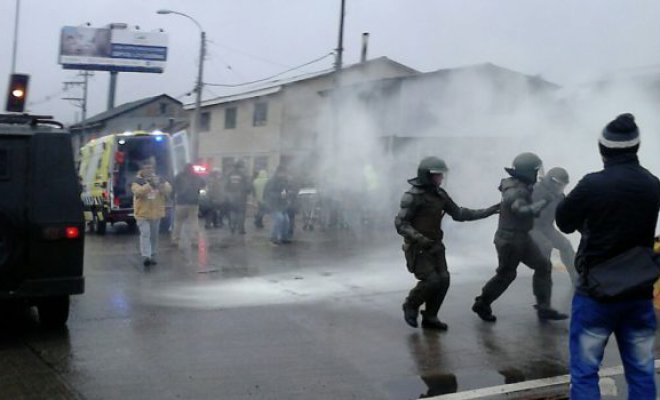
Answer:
x=17 y=92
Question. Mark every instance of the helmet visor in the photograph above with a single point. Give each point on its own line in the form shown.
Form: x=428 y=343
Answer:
x=438 y=177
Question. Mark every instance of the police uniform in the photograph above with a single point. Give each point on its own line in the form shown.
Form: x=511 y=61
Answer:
x=514 y=244
x=419 y=222
x=545 y=235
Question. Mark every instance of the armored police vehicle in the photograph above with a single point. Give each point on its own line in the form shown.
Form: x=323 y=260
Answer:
x=41 y=217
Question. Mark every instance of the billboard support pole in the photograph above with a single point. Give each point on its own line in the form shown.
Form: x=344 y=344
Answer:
x=112 y=89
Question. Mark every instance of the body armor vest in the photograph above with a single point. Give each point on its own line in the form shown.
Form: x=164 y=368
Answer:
x=428 y=218
x=513 y=189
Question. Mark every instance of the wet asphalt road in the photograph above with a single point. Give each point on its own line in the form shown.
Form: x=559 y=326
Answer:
x=237 y=318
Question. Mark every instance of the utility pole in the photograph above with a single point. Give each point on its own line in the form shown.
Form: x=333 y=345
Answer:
x=335 y=134
x=340 y=45
x=81 y=101
x=199 y=86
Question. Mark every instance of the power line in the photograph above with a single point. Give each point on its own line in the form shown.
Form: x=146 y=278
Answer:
x=248 y=54
x=46 y=99
x=272 y=76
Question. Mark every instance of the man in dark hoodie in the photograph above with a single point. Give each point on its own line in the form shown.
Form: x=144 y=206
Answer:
x=514 y=244
x=187 y=185
x=277 y=198
x=615 y=210
x=419 y=222
x=237 y=188
x=551 y=187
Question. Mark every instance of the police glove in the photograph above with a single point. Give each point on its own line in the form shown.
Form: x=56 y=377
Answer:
x=538 y=206
x=425 y=243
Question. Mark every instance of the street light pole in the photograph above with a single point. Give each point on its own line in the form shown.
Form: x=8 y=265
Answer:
x=199 y=86
x=13 y=52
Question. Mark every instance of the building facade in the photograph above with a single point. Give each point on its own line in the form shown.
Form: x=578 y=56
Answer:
x=281 y=123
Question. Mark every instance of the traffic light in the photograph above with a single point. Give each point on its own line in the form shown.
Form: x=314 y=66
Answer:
x=18 y=86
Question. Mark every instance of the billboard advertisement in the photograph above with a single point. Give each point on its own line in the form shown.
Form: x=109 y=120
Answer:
x=105 y=49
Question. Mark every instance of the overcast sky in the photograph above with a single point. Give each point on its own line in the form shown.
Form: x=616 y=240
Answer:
x=565 y=41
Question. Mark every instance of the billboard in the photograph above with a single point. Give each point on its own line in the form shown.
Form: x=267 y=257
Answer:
x=106 y=49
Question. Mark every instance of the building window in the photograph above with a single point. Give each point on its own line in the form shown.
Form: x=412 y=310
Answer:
x=205 y=121
x=230 y=118
x=163 y=108
x=260 y=114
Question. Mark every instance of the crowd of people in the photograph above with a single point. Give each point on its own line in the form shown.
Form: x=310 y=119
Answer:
x=615 y=210
x=221 y=199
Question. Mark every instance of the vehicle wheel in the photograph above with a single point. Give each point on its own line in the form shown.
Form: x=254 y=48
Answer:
x=53 y=311
x=101 y=227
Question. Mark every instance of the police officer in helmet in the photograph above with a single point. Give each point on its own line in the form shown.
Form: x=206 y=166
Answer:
x=551 y=187
x=514 y=243
x=419 y=222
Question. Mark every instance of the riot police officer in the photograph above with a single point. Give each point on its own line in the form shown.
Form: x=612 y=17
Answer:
x=419 y=222
x=514 y=243
x=551 y=187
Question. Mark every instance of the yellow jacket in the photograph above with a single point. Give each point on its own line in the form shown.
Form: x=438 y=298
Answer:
x=149 y=202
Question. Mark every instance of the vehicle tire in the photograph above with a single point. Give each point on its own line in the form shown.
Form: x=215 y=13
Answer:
x=98 y=226
x=53 y=311
x=101 y=227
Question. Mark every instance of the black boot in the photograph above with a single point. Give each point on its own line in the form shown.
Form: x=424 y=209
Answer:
x=549 y=314
x=410 y=315
x=432 y=322
x=483 y=310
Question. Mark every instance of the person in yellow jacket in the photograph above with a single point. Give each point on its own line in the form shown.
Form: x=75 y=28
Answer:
x=150 y=193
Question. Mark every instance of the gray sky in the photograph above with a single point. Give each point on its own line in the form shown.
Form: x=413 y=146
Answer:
x=565 y=41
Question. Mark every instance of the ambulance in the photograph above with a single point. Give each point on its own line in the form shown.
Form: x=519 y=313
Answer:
x=109 y=165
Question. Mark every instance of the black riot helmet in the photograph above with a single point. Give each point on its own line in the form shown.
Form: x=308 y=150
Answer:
x=428 y=166
x=526 y=167
x=557 y=175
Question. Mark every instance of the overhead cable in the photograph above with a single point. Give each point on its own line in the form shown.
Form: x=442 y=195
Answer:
x=272 y=76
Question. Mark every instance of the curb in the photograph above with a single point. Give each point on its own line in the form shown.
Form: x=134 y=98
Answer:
x=554 y=388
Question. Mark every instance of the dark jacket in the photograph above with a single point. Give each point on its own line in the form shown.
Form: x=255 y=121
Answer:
x=517 y=208
x=237 y=187
x=615 y=210
x=186 y=188
x=422 y=209
x=276 y=193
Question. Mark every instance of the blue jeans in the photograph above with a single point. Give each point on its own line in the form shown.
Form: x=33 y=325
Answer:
x=280 y=227
x=633 y=324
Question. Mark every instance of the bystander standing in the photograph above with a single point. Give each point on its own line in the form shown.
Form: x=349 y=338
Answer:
x=150 y=193
x=615 y=210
